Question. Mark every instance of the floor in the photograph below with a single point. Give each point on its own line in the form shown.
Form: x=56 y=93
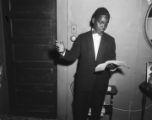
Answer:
x=9 y=117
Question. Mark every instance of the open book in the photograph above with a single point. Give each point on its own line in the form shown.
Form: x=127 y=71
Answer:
x=102 y=66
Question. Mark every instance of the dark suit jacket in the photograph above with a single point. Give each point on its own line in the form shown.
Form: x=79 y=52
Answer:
x=83 y=49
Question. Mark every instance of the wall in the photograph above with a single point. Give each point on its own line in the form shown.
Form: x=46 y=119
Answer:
x=126 y=25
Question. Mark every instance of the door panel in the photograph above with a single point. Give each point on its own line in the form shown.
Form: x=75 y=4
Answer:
x=30 y=32
x=38 y=53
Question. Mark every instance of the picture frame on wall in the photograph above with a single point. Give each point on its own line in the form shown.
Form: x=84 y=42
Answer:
x=149 y=72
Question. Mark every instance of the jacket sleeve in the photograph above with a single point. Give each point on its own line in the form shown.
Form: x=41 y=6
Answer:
x=74 y=52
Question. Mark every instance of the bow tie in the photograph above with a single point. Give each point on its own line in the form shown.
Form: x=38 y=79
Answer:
x=94 y=32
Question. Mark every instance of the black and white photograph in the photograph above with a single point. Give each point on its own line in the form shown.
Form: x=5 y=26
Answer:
x=75 y=59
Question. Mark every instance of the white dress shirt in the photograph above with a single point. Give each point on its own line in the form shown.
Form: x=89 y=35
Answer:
x=96 y=41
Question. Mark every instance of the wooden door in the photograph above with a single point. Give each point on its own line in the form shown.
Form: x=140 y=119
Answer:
x=30 y=32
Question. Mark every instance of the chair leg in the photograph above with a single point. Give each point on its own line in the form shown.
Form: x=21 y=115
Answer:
x=111 y=110
x=110 y=115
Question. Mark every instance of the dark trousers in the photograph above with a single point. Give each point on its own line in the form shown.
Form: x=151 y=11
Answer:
x=83 y=100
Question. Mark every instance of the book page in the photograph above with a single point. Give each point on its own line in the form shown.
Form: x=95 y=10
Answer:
x=102 y=66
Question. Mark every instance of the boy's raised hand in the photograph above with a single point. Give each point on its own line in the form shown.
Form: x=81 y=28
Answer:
x=60 y=46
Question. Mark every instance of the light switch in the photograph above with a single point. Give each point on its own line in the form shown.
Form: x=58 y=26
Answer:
x=73 y=29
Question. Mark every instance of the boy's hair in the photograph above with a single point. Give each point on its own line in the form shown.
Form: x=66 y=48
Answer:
x=98 y=13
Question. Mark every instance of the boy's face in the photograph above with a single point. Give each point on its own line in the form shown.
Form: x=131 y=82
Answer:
x=100 y=24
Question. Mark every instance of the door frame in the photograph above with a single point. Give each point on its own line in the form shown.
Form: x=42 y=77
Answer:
x=62 y=71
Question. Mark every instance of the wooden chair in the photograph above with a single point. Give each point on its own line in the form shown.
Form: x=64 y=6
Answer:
x=108 y=108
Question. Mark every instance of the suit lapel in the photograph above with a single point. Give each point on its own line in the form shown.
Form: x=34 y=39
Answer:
x=91 y=47
x=100 y=50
